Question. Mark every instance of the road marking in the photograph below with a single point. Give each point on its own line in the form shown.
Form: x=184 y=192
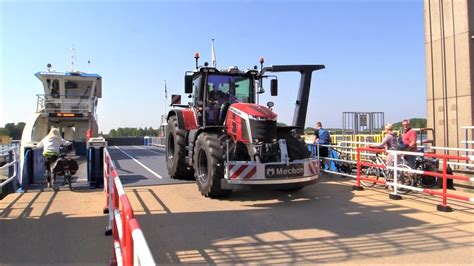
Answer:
x=138 y=162
x=150 y=150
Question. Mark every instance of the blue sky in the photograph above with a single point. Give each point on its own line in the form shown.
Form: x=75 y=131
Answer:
x=373 y=52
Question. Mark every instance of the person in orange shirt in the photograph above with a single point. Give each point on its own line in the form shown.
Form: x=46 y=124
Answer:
x=409 y=139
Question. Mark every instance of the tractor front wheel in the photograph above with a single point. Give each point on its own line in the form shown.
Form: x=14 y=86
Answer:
x=209 y=165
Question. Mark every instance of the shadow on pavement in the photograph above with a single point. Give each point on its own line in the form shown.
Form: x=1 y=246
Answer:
x=325 y=223
x=320 y=224
x=34 y=233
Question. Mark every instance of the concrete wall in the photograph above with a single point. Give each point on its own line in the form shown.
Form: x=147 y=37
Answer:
x=449 y=48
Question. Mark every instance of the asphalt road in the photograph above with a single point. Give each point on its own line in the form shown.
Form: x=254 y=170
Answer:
x=141 y=165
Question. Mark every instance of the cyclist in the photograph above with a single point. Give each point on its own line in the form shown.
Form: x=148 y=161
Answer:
x=389 y=142
x=50 y=145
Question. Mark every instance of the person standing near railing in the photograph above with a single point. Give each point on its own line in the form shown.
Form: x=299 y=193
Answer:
x=409 y=141
x=322 y=138
x=389 y=142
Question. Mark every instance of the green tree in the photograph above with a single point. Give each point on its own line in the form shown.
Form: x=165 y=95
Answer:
x=13 y=130
x=113 y=133
x=309 y=130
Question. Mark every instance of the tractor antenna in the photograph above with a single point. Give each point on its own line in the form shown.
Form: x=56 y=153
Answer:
x=213 y=57
x=89 y=65
x=196 y=56
x=260 y=90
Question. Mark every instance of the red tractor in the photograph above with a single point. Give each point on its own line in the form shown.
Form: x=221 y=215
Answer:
x=223 y=138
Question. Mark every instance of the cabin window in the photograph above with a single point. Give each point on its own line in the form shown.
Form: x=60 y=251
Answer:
x=78 y=89
x=53 y=86
x=196 y=90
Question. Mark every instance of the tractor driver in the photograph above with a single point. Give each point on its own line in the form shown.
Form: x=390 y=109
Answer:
x=220 y=97
x=215 y=99
x=217 y=95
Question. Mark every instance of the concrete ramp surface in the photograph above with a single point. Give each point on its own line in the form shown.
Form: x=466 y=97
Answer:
x=47 y=227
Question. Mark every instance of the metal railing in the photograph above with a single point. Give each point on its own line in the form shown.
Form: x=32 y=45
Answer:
x=348 y=150
x=155 y=141
x=9 y=171
x=468 y=141
x=397 y=169
x=4 y=148
x=50 y=103
x=364 y=157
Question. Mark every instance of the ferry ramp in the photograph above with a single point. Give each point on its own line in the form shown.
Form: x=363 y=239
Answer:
x=324 y=223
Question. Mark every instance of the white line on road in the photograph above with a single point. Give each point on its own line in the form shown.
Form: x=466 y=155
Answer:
x=150 y=150
x=138 y=162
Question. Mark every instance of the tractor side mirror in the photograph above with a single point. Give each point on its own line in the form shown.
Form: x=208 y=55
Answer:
x=188 y=84
x=260 y=89
x=274 y=87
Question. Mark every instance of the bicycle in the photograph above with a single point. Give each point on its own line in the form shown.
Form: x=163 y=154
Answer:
x=426 y=164
x=341 y=166
x=66 y=171
x=403 y=178
x=65 y=167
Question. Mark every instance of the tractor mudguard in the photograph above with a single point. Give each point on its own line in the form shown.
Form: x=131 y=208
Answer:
x=186 y=118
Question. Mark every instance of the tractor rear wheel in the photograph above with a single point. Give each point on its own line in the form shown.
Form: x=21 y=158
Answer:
x=175 y=151
x=209 y=165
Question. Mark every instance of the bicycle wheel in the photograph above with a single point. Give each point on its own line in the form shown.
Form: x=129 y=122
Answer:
x=405 y=178
x=370 y=172
x=427 y=181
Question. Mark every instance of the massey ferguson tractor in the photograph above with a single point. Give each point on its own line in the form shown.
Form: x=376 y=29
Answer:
x=224 y=139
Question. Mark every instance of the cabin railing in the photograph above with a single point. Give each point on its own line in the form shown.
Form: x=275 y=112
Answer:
x=55 y=103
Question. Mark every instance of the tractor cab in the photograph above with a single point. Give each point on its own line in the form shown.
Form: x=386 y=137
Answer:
x=213 y=91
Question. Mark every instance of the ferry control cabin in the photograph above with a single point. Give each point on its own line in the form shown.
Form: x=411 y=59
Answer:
x=70 y=103
x=72 y=94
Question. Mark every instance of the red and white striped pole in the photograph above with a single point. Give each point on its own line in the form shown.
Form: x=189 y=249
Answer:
x=358 y=186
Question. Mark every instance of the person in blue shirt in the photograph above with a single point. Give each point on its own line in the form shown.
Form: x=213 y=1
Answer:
x=322 y=138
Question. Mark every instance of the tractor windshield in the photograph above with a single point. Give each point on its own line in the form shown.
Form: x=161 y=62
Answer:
x=229 y=88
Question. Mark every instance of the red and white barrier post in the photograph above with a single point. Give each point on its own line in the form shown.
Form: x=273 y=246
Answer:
x=359 y=168
x=129 y=243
